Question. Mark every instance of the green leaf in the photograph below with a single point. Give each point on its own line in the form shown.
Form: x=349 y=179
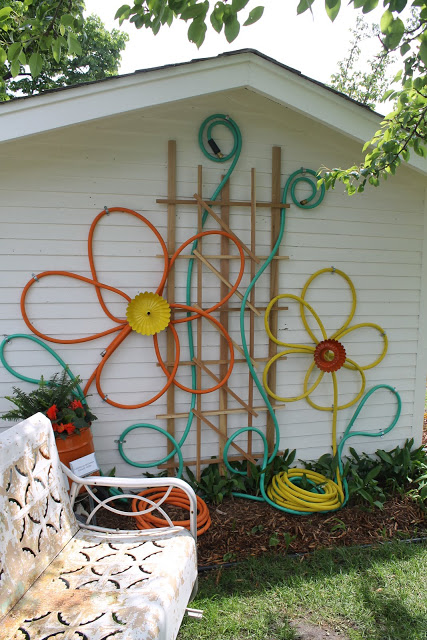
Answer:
x=398 y=5
x=196 y=32
x=22 y=58
x=14 y=51
x=232 y=28
x=423 y=52
x=386 y=20
x=73 y=44
x=36 y=64
x=404 y=48
x=373 y=473
x=369 y=5
x=5 y=13
x=303 y=6
x=366 y=495
x=386 y=457
x=194 y=11
x=121 y=11
x=15 y=68
x=67 y=20
x=237 y=5
x=253 y=16
x=394 y=33
x=216 y=22
x=3 y=55
x=56 y=50
x=332 y=8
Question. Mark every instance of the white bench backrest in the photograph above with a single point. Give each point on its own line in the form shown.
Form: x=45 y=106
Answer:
x=36 y=519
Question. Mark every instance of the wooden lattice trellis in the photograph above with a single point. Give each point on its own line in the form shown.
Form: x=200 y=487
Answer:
x=223 y=274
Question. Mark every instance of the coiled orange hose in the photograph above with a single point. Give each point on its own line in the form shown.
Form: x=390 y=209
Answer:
x=177 y=498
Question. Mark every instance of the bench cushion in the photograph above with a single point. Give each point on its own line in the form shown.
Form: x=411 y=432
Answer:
x=104 y=586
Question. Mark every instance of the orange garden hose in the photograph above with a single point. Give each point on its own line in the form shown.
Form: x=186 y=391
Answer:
x=177 y=498
x=123 y=328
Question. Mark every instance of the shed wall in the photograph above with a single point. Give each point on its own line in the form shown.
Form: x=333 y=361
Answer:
x=54 y=184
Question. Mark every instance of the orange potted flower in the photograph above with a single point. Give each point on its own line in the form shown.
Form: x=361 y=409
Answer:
x=62 y=401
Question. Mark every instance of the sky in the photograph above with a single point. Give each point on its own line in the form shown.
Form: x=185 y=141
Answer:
x=312 y=45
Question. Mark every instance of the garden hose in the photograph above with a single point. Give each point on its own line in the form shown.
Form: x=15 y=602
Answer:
x=290 y=187
x=78 y=392
x=175 y=497
x=323 y=494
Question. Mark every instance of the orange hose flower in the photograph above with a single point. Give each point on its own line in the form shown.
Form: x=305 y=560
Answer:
x=138 y=312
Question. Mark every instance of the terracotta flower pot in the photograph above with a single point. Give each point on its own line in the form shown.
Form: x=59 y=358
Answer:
x=75 y=446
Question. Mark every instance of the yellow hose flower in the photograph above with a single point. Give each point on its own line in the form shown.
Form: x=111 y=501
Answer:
x=329 y=356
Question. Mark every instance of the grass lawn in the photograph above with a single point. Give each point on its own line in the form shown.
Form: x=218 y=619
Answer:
x=375 y=593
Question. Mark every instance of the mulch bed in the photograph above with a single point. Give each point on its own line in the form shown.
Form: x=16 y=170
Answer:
x=242 y=528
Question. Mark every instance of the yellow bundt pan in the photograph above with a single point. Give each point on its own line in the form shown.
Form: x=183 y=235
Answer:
x=148 y=313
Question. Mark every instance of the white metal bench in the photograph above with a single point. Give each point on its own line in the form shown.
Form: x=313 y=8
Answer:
x=66 y=580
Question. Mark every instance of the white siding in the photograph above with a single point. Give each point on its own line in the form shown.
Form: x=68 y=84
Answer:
x=53 y=185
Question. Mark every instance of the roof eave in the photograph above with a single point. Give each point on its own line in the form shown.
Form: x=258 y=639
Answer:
x=245 y=69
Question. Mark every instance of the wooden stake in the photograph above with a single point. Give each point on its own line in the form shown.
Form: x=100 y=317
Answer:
x=189 y=256
x=252 y=296
x=232 y=203
x=170 y=288
x=186 y=363
x=223 y=318
x=274 y=280
x=199 y=327
x=218 y=412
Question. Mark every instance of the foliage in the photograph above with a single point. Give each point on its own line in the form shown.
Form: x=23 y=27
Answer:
x=48 y=44
x=254 y=472
x=57 y=399
x=372 y=478
x=367 y=87
x=154 y=14
x=405 y=128
x=212 y=486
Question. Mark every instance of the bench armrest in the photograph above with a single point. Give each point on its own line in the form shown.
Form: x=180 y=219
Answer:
x=130 y=486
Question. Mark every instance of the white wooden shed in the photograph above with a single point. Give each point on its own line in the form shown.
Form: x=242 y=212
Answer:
x=66 y=155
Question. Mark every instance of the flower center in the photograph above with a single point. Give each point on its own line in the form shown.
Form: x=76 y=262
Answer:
x=148 y=313
x=329 y=355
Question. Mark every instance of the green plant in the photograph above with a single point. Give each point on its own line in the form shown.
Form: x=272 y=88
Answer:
x=254 y=472
x=58 y=399
x=371 y=479
x=274 y=539
x=338 y=525
x=212 y=486
x=256 y=529
x=288 y=538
